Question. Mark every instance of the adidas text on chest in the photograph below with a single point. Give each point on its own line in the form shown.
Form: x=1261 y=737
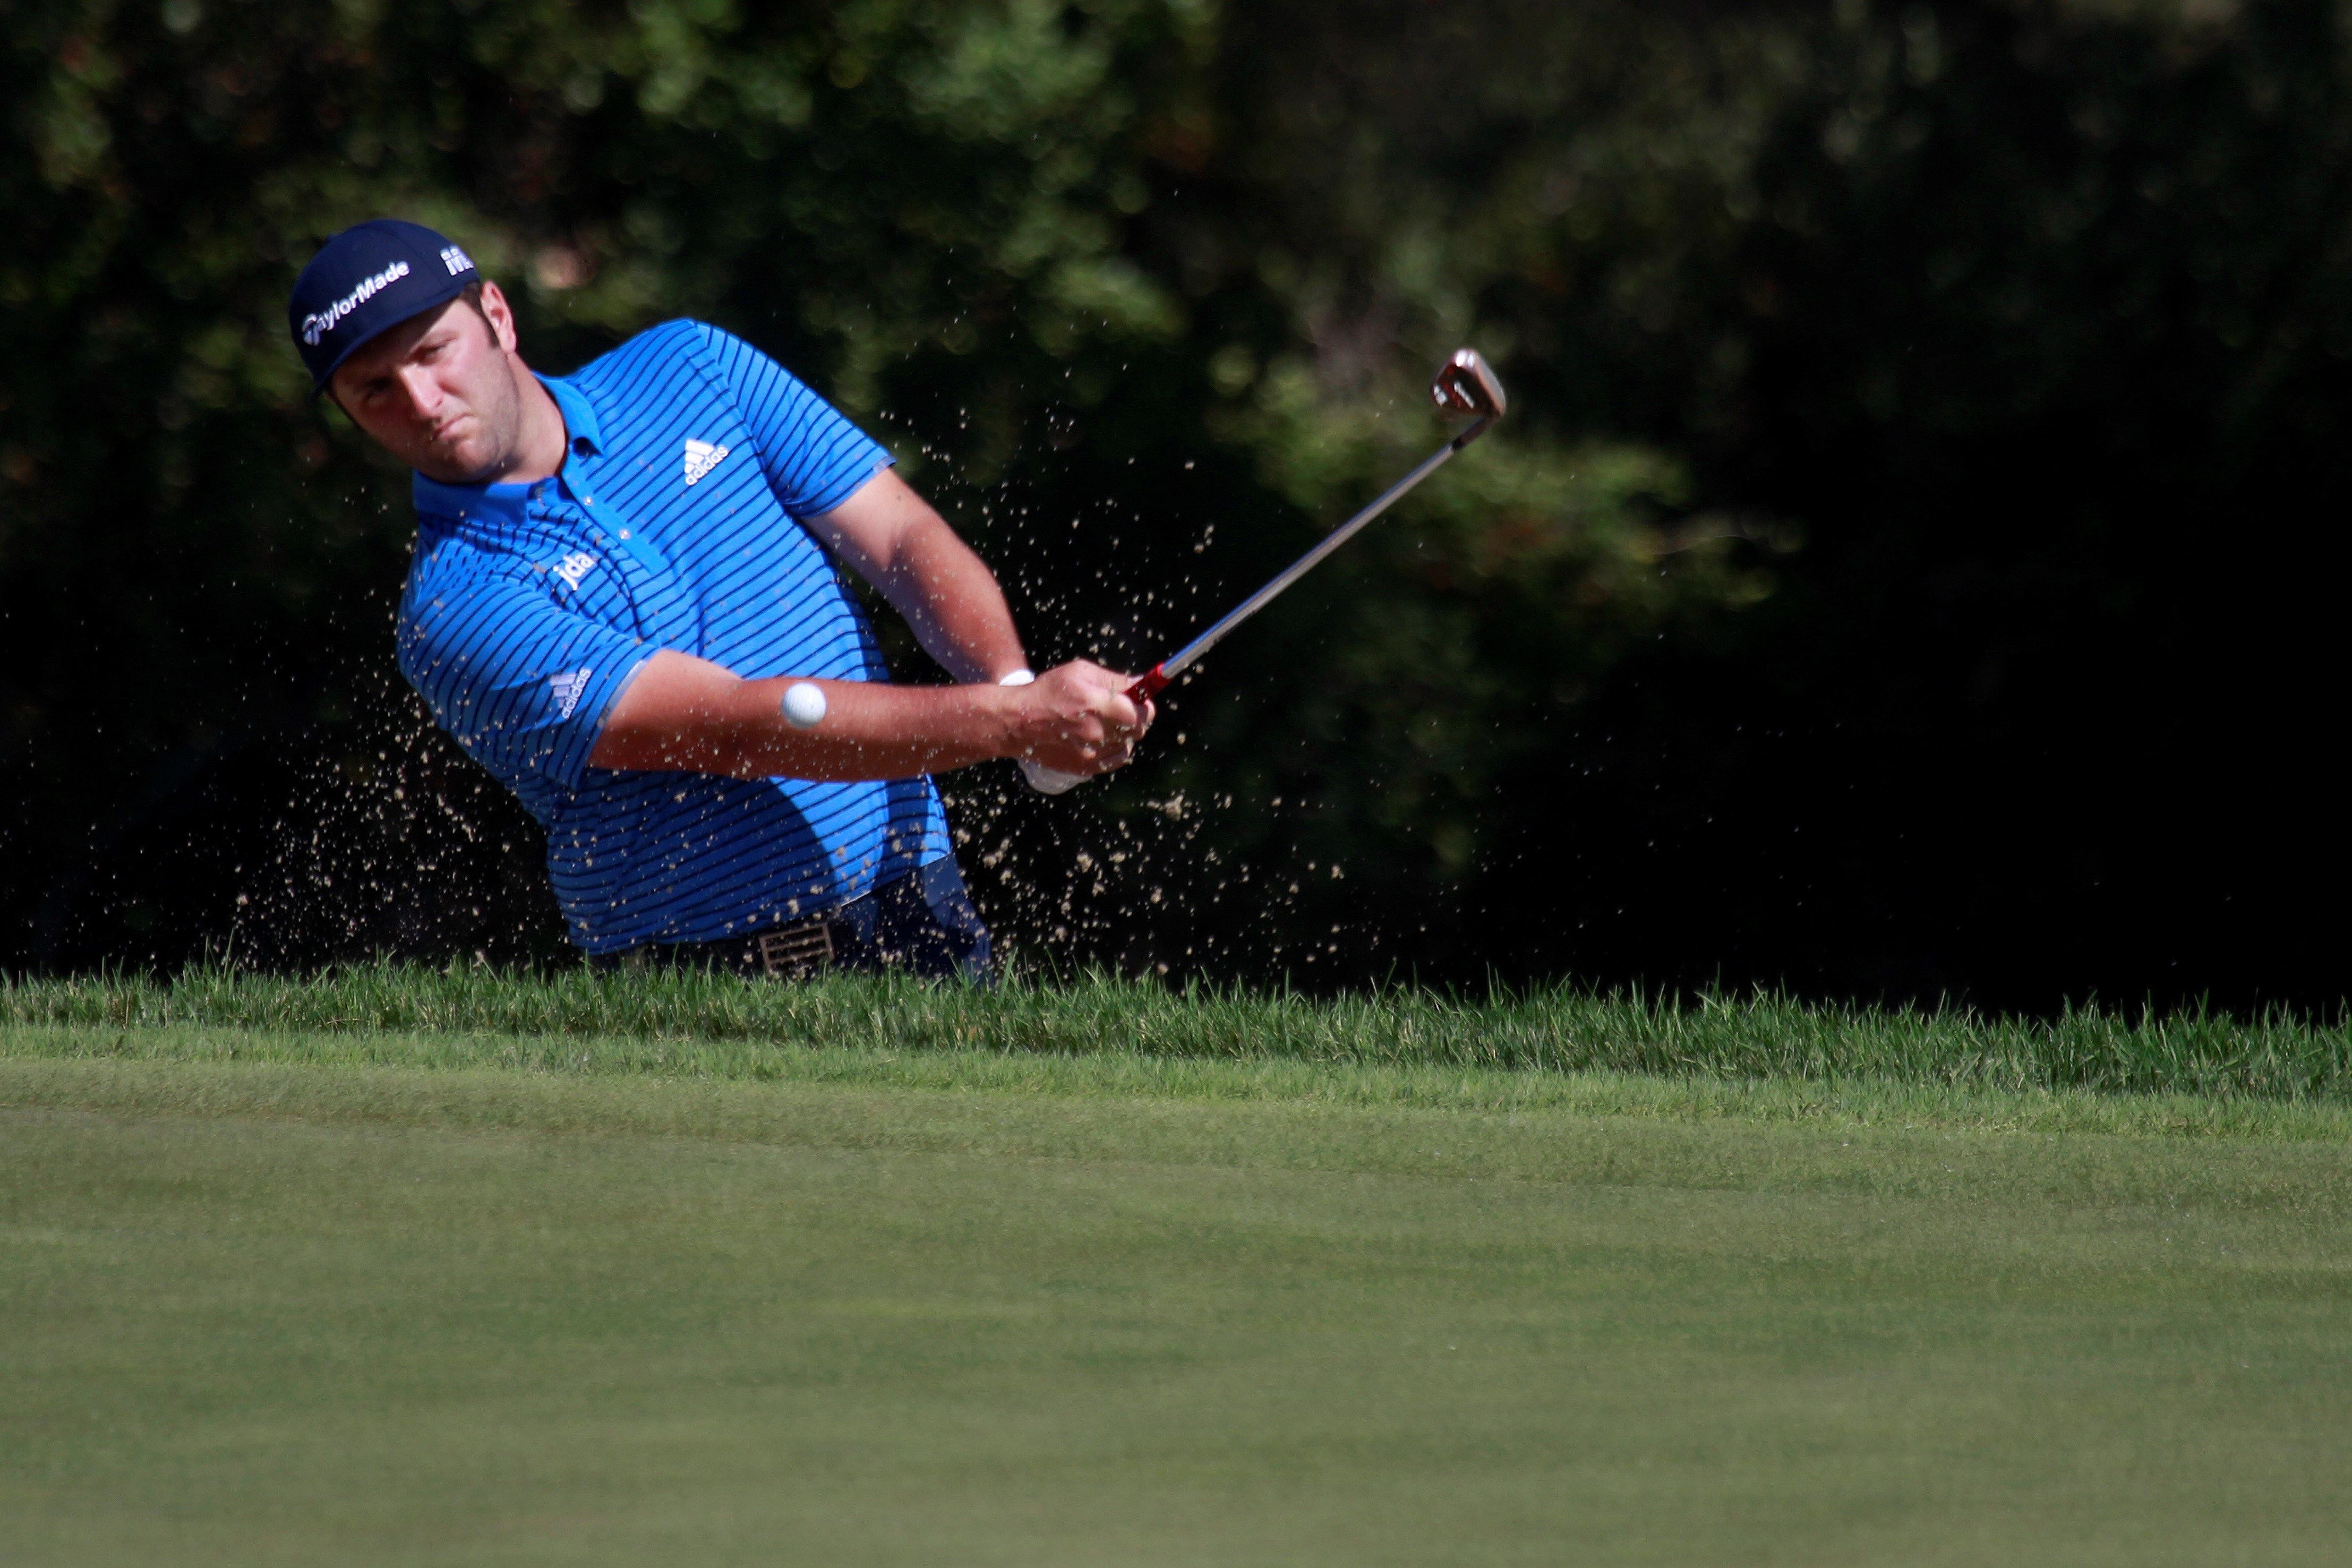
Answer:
x=701 y=457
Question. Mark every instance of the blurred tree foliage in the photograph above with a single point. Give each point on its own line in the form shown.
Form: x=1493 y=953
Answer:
x=1908 y=402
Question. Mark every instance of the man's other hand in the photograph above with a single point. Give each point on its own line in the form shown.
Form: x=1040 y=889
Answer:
x=1076 y=718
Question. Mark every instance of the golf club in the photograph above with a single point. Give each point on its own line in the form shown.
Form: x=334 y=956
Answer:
x=1467 y=384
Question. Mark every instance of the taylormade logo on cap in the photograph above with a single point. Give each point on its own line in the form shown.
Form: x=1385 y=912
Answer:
x=318 y=325
x=371 y=276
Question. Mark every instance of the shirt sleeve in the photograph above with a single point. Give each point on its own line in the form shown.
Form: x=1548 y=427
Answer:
x=815 y=459
x=523 y=683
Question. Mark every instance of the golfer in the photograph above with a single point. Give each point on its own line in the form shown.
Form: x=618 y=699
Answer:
x=624 y=605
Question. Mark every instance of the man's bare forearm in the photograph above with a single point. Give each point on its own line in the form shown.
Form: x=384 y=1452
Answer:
x=683 y=714
x=892 y=538
x=953 y=602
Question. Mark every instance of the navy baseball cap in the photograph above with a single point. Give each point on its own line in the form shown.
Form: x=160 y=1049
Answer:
x=371 y=276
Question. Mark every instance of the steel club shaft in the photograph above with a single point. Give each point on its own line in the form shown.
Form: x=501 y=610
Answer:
x=1465 y=385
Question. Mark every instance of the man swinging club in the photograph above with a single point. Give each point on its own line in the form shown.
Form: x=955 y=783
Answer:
x=623 y=604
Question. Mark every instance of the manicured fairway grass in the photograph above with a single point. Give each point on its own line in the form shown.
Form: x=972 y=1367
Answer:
x=398 y=1295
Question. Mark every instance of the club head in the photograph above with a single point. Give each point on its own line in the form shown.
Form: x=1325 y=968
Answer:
x=1468 y=385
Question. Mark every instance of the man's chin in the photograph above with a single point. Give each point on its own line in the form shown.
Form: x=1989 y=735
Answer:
x=463 y=463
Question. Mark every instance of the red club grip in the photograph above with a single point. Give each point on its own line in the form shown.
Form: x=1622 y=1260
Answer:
x=1149 y=684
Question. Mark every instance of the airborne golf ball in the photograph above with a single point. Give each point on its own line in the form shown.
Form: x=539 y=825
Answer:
x=803 y=705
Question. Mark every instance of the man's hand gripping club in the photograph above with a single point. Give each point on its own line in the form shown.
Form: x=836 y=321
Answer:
x=1085 y=721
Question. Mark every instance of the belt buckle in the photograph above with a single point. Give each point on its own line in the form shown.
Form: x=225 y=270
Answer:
x=797 y=951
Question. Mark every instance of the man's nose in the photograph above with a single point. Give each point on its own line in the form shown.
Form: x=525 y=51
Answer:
x=423 y=388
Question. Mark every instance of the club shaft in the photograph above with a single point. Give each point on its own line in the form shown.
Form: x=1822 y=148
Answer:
x=1177 y=662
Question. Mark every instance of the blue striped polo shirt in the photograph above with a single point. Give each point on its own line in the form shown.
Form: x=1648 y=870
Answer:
x=673 y=524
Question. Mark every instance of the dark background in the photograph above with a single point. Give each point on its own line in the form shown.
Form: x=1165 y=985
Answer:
x=1910 y=570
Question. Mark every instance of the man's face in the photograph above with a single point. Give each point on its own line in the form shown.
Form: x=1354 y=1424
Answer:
x=440 y=391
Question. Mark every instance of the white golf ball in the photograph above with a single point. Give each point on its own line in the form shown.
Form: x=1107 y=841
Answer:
x=803 y=705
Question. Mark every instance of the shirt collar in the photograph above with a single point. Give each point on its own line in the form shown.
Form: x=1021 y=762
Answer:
x=510 y=503
x=579 y=417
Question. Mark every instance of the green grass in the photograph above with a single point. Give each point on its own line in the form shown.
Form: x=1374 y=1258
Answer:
x=405 y=1269
x=2279 y=1057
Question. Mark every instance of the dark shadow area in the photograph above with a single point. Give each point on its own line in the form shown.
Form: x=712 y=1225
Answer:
x=1909 y=572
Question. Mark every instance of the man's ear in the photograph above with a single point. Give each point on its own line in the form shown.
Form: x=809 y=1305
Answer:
x=501 y=316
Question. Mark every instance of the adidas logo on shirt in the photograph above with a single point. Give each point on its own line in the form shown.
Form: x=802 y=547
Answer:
x=701 y=457
x=567 y=688
x=574 y=566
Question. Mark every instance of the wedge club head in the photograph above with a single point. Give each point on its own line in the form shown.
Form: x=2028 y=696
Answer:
x=1467 y=385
